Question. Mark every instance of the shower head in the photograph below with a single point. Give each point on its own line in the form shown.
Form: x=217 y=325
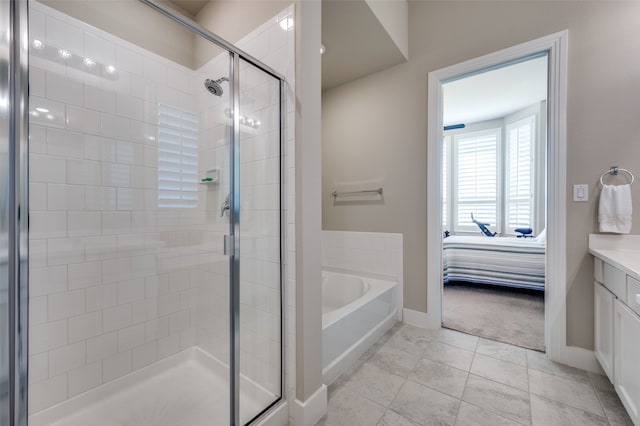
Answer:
x=214 y=87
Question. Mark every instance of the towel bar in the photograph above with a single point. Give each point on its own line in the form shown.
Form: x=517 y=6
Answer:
x=367 y=191
x=614 y=171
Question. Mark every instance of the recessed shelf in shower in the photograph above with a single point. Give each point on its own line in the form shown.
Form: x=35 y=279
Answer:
x=212 y=177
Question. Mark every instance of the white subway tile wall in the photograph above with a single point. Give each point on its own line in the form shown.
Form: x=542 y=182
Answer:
x=119 y=280
x=375 y=253
x=370 y=254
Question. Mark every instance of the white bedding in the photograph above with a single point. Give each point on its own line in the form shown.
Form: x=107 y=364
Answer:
x=514 y=262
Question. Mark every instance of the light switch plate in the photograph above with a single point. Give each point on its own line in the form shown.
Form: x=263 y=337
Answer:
x=581 y=193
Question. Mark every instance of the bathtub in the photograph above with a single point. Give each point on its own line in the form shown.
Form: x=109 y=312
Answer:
x=356 y=311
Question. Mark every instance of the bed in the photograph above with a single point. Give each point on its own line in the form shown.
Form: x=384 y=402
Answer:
x=503 y=261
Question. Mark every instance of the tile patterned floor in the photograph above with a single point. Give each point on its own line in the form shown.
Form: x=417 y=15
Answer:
x=417 y=377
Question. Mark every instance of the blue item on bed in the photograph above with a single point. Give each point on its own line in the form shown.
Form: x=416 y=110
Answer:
x=483 y=227
x=524 y=232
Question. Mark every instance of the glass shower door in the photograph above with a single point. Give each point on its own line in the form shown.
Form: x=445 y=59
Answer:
x=130 y=155
x=259 y=239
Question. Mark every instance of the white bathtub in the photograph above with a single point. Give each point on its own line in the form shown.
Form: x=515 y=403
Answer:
x=356 y=311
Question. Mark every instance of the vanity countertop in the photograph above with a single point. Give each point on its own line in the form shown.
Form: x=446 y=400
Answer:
x=620 y=251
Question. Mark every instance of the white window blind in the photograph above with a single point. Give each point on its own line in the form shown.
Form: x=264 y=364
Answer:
x=519 y=174
x=446 y=143
x=177 y=158
x=476 y=179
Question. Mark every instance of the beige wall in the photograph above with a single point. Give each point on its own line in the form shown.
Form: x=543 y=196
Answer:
x=376 y=126
x=232 y=19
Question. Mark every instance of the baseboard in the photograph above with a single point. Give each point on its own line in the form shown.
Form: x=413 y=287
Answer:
x=307 y=413
x=584 y=359
x=420 y=319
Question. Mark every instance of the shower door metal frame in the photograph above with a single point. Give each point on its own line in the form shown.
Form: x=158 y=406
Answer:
x=235 y=55
x=14 y=95
x=234 y=231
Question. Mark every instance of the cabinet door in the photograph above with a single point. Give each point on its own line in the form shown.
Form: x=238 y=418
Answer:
x=615 y=280
x=603 y=308
x=627 y=354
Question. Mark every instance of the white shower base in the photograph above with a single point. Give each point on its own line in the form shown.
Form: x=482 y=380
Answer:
x=187 y=389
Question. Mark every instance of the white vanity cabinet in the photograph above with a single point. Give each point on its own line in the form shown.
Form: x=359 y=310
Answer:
x=627 y=358
x=617 y=332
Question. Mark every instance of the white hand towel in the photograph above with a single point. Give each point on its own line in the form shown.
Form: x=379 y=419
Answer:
x=614 y=213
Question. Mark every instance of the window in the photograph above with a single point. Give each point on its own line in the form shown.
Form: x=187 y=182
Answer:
x=492 y=173
x=177 y=158
x=519 y=174
x=446 y=145
x=476 y=178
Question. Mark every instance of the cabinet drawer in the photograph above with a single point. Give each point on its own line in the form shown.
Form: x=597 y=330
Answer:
x=598 y=272
x=633 y=294
x=616 y=281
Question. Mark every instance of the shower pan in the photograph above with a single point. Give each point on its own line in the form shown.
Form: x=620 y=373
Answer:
x=126 y=297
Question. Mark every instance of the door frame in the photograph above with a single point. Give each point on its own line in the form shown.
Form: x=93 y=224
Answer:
x=556 y=271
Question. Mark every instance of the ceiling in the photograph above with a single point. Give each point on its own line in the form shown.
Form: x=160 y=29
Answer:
x=356 y=42
x=496 y=93
x=191 y=7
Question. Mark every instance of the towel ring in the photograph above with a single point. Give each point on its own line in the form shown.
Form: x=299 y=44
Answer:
x=614 y=171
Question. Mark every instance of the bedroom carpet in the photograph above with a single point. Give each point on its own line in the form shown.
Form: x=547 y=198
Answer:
x=508 y=315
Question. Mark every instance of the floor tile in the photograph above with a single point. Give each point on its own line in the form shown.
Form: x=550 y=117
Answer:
x=614 y=410
x=344 y=377
x=576 y=392
x=424 y=405
x=411 y=339
x=500 y=371
x=470 y=415
x=539 y=361
x=440 y=377
x=502 y=351
x=455 y=338
x=600 y=382
x=497 y=398
x=375 y=384
x=452 y=356
x=493 y=384
x=391 y=418
x=347 y=408
x=545 y=412
x=394 y=360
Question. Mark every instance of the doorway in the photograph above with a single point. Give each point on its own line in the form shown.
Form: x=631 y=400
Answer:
x=494 y=201
x=555 y=262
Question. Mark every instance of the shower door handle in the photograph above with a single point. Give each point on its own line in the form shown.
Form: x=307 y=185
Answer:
x=229 y=245
x=225 y=206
